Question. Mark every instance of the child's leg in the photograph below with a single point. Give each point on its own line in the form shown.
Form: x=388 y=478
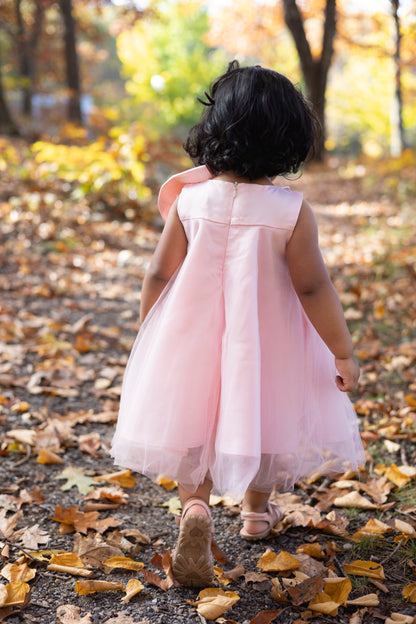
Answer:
x=192 y=563
x=257 y=502
x=203 y=492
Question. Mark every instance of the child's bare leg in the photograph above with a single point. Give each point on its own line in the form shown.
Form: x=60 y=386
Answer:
x=203 y=491
x=257 y=502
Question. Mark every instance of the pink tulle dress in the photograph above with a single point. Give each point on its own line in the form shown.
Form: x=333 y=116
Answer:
x=227 y=377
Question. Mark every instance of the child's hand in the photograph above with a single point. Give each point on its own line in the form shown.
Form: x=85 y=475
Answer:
x=349 y=373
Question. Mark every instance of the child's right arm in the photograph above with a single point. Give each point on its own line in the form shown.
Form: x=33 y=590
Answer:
x=318 y=296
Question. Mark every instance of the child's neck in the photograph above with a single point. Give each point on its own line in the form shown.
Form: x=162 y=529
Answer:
x=230 y=176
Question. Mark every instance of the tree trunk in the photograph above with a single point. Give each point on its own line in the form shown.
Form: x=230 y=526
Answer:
x=397 y=140
x=71 y=62
x=7 y=125
x=314 y=71
x=25 y=61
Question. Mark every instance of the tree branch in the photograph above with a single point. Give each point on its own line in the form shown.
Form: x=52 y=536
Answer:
x=294 y=22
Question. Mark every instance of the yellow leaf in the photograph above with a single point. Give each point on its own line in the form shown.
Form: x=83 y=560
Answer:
x=123 y=478
x=283 y=562
x=220 y=576
x=371 y=569
x=15 y=594
x=396 y=476
x=133 y=587
x=373 y=527
x=67 y=559
x=336 y=592
x=354 y=499
x=409 y=592
x=123 y=562
x=213 y=602
x=411 y=400
x=399 y=618
x=338 y=589
x=18 y=572
x=48 y=457
x=369 y=600
x=313 y=550
x=168 y=484
x=90 y=587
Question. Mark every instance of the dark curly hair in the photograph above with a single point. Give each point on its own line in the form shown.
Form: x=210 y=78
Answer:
x=256 y=124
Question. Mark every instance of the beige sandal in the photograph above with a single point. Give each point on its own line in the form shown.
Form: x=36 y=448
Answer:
x=192 y=563
x=272 y=516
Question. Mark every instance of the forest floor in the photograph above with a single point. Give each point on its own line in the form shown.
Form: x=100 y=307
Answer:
x=70 y=284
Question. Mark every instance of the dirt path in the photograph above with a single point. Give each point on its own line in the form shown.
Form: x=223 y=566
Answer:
x=69 y=314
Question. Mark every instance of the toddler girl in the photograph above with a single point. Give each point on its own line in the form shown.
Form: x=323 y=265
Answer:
x=233 y=384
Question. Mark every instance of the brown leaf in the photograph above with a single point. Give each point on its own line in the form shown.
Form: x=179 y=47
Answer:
x=7 y=525
x=218 y=554
x=306 y=590
x=79 y=521
x=265 y=617
x=70 y=614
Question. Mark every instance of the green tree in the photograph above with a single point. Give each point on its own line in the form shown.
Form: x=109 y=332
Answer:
x=167 y=63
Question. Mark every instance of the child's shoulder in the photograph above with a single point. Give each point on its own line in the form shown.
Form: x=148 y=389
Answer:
x=173 y=186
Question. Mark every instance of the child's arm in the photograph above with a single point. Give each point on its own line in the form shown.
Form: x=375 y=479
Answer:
x=318 y=296
x=169 y=254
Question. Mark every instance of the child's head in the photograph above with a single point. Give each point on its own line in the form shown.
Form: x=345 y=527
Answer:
x=256 y=123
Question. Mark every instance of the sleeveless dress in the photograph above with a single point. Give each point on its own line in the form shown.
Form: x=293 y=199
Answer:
x=227 y=377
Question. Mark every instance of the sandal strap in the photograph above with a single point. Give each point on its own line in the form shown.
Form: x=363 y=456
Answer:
x=191 y=502
x=272 y=515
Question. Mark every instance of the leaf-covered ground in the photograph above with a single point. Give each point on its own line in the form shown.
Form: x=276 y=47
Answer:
x=69 y=283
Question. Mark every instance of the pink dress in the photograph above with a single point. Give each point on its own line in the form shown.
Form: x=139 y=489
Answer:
x=227 y=377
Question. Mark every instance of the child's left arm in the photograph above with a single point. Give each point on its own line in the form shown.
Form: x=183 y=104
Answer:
x=169 y=254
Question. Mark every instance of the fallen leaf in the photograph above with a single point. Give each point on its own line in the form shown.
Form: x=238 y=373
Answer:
x=32 y=537
x=212 y=602
x=18 y=572
x=76 y=478
x=133 y=587
x=264 y=617
x=282 y=562
x=305 y=591
x=399 y=618
x=336 y=592
x=313 y=550
x=371 y=569
x=7 y=525
x=79 y=521
x=70 y=614
x=354 y=499
x=396 y=476
x=48 y=457
x=373 y=527
x=405 y=528
x=166 y=483
x=15 y=594
x=122 y=477
x=218 y=554
x=90 y=587
x=123 y=562
x=409 y=592
x=277 y=592
x=369 y=600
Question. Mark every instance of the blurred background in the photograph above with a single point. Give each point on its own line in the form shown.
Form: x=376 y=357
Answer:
x=97 y=95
